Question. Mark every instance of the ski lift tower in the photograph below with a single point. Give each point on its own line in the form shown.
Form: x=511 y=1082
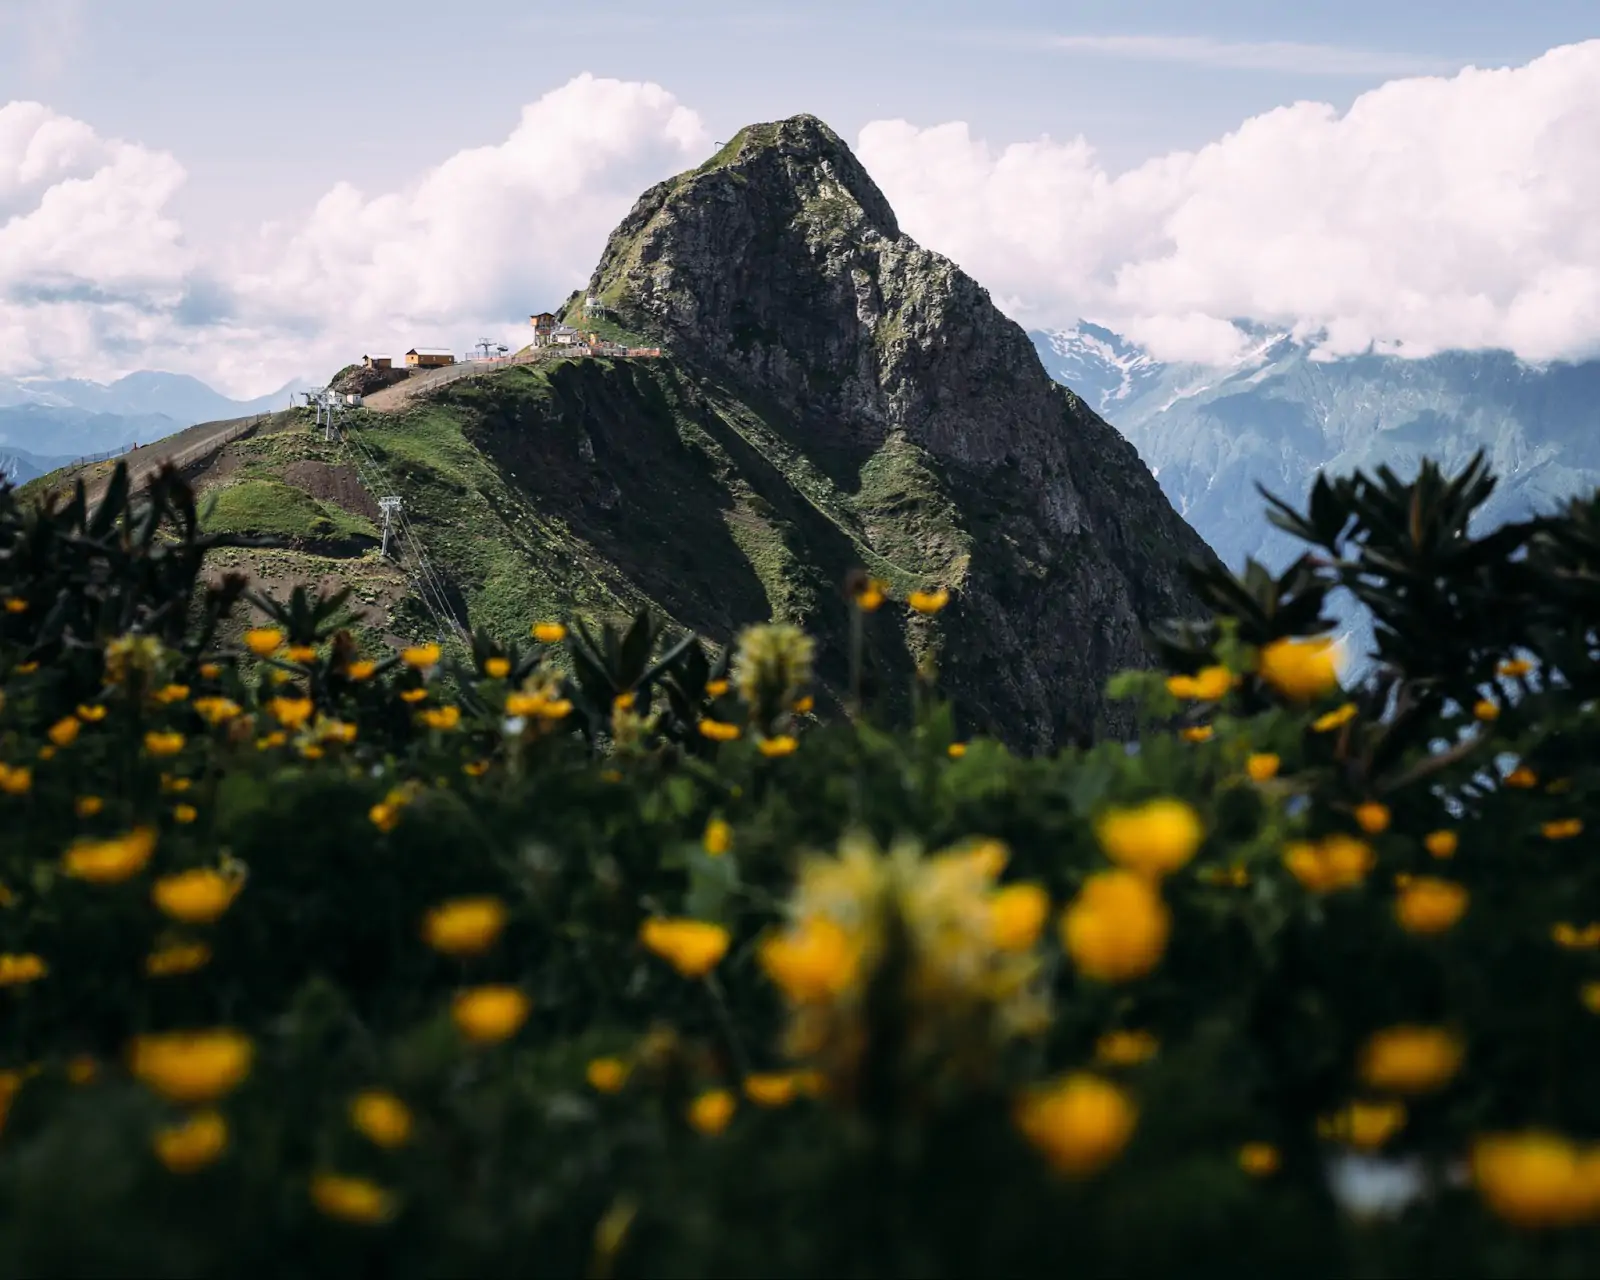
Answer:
x=391 y=508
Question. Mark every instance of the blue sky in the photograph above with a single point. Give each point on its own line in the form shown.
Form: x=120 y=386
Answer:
x=249 y=192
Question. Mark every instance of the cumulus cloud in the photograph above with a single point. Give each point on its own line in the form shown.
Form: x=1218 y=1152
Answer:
x=95 y=275
x=1435 y=213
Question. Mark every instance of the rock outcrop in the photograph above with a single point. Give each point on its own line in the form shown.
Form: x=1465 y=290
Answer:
x=779 y=268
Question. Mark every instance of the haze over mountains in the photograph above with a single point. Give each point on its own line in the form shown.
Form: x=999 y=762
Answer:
x=47 y=422
x=1277 y=416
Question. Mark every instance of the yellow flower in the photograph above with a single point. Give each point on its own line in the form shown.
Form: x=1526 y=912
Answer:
x=718 y=838
x=956 y=750
x=475 y=768
x=1522 y=777
x=91 y=713
x=413 y=695
x=274 y=739
x=1262 y=766
x=1372 y=817
x=710 y=1112
x=171 y=693
x=357 y=1200
x=1016 y=915
x=15 y=781
x=781 y=745
x=488 y=1015
x=812 y=962
x=381 y=1118
x=336 y=731
x=1337 y=861
x=441 y=718
x=802 y=706
x=263 y=641
x=497 y=668
x=216 y=710
x=716 y=688
x=27 y=668
x=771 y=1088
x=1080 y=1123
x=196 y=897
x=1485 y=710
x=1365 y=1126
x=361 y=669
x=88 y=806
x=193 y=1144
x=1441 y=844
x=19 y=969
x=108 y=861
x=607 y=1075
x=210 y=670
x=1301 y=670
x=1514 y=667
x=928 y=602
x=291 y=713
x=15 y=604
x=191 y=1067
x=870 y=595
x=692 y=947
x=1589 y=993
x=163 y=744
x=384 y=816
x=465 y=926
x=1210 y=684
x=1410 y=1060
x=1562 y=828
x=1154 y=839
x=1197 y=733
x=64 y=732
x=718 y=731
x=1116 y=929
x=549 y=632
x=304 y=654
x=1125 y=1048
x=421 y=656
x=1334 y=719
x=81 y=1069
x=1427 y=905
x=1259 y=1159
x=1536 y=1179
x=1574 y=939
x=181 y=957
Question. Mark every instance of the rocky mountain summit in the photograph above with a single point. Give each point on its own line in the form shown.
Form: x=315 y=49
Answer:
x=779 y=266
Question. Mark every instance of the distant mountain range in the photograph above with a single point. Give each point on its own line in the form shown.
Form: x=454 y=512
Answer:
x=45 y=423
x=1277 y=416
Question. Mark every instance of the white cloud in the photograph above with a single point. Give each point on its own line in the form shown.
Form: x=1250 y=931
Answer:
x=1244 y=55
x=1434 y=213
x=96 y=276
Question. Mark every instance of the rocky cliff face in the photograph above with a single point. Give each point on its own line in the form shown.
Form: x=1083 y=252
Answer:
x=778 y=267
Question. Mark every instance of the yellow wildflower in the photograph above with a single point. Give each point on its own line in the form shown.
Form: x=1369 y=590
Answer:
x=19 y=969
x=497 y=668
x=1153 y=839
x=384 y=816
x=1016 y=916
x=194 y=1143
x=782 y=745
x=1080 y=1124
x=15 y=604
x=1536 y=1179
x=1125 y=1048
x=771 y=1088
x=1116 y=929
x=716 y=688
x=304 y=654
x=956 y=750
x=168 y=694
x=1522 y=777
x=1589 y=994
x=928 y=602
x=1562 y=828
x=357 y=1200
x=475 y=768
x=1408 y=1060
x=1372 y=817
x=488 y=1015
x=192 y=1066
x=1574 y=939
x=710 y=1112
x=1262 y=766
x=441 y=718
x=1197 y=733
x=64 y=732
x=718 y=731
x=811 y=962
x=1513 y=668
x=210 y=670
x=1441 y=844
x=1259 y=1159
x=549 y=632
x=1210 y=684
x=1334 y=719
x=361 y=669
x=421 y=656
x=263 y=641
x=27 y=668
x=692 y=947
x=718 y=837
x=216 y=710
x=465 y=926
x=1337 y=861
x=111 y=860
x=1301 y=670
x=274 y=739
x=381 y=1118
x=291 y=713
x=1485 y=710
x=196 y=897
x=16 y=781
x=802 y=706
x=181 y=957
x=869 y=596
x=607 y=1075
x=163 y=744
x=413 y=696
x=91 y=713
x=1364 y=1125
x=1428 y=905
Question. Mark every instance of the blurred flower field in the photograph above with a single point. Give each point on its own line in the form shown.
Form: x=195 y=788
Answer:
x=597 y=951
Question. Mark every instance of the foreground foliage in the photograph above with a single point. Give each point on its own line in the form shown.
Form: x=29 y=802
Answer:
x=485 y=963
